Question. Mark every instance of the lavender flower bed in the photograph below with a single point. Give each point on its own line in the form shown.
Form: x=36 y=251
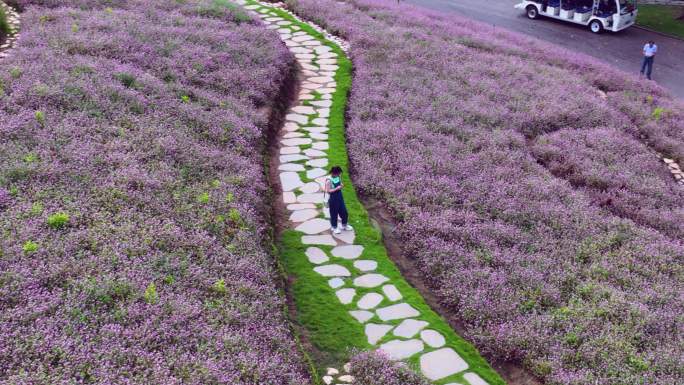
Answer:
x=371 y=368
x=532 y=205
x=132 y=196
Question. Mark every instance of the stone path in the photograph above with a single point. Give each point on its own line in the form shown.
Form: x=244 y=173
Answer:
x=390 y=325
x=14 y=23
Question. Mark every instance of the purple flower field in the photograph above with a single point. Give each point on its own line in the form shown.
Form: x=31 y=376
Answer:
x=527 y=188
x=132 y=197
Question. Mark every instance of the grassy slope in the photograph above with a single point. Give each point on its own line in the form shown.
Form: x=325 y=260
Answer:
x=662 y=18
x=4 y=25
x=330 y=327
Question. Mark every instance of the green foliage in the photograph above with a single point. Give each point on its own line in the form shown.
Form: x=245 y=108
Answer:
x=58 y=220
x=4 y=24
x=74 y=28
x=151 y=296
x=185 y=98
x=30 y=247
x=657 y=113
x=219 y=287
x=40 y=118
x=16 y=72
x=128 y=80
x=203 y=198
x=36 y=209
x=235 y=216
x=30 y=158
x=662 y=18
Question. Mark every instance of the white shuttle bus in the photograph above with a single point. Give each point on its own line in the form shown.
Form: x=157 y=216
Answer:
x=598 y=15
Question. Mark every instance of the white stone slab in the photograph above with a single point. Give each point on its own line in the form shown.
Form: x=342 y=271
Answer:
x=311 y=86
x=320 y=122
x=322 y=49
x=347 y=251
x=315 y=173
x=375 y=332
x=336 y=282
x=311 y=43
x=325 y=240
x=365 y=265
x=320 y=129
x=324 y=112
x=304 y=110
x=297 y=50
x=326 y=60
x=290 y=150
x=398 y=311
x=329 y=67
x=399 y=350
x=304 y=37
x=474 y=379
x=284 y=22
x=291 y=167
x=345 y=236
x=292 y=158
x=310 y=188
x=293 y=135
x=432 y=338
x=300 y=206
x=322 y=103
x=391 y=292
x=318 y=136
x=441 y=363
x=327 y=55
x=313 y=153
x=369 y=301
x=321 y=79
x=305 y=56
x=297 y=118
x=409 y=328
x=304 y=215
x=346 y=296
x=310 y=198
x=290 y=181
x=316 y=255
x=371 y=280
x=289 y=197
x=314 y=226
x=361 y=315
x=291 y=126
x=332 y=271
x=295 y=142
x=318 y=145
x=320 y=162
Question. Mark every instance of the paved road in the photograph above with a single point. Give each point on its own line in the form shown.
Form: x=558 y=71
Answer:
x=622 y=49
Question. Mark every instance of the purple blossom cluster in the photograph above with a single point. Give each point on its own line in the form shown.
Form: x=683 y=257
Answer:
x=132 y=197
x=371 y=368
x=527 y=186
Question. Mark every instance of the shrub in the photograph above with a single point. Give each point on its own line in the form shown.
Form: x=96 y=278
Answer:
x=58 y=220
x=30 y=247
x=5 y=27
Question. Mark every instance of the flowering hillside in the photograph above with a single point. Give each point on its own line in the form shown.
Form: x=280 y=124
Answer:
x=528 y=189
x=132 y=197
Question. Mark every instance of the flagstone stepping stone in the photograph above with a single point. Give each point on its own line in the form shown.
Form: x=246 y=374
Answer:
x=316 y=255
x=301 y=38
x=326 y=61
x=285 y=36
x=317 y=136
x=308 y=72
x=327 y=55
x=304 y=215
x=398 y=311
x=474 y=379
x=371 y=280
x=314 y=226
x=321 y=79
x=365 y=265
x=321 y=162
x=311 y=43
x=310 y=67
x=347 y=251
x=297 y=50
x=290 y=181
x=318 y=145
x=336 y=282
x=399 y=350
x=441 y=363
x=326 y=90
x=253 y=6
x=346 y=378
x=311 y=86
x=324 y=112
x=284 y=22
x=289 y=150
x=310 y=188
x=345 y=236
x=321 y=103
x=391 y=292
x=295 y=142
x=305 y=110
x=273 y=18
x=332 y=271
x=409 y=328
x=347 y=367
x=297 y=118
x=322 y=49
x=300 y=206
x=332 y=372
x=305 y=56
x=315 y=173
x=291 y=167
x=320 y=122
x=289 y=197
x=291 y=126
x=313 y=153
x=325 y=240
x=300 y=33
x=306 y=97
x=346 y=296
x=369 y=301
x=311 y=198
x=432 y=338
x=292 y=158
x=326 y=96
x=361 y=315
x=375 y=332
x=284 y=30
x=327 y=380
x=319 y=129
x=329 y=67
x=290 y=135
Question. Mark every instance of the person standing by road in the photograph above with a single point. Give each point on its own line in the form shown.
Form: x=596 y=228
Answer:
x=333 y=186
x=650 y=50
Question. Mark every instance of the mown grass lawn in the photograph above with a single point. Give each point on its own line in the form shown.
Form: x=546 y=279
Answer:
x=662 y=18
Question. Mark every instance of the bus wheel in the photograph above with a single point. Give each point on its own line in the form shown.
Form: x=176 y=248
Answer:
x=532 y=12
x=595 y=26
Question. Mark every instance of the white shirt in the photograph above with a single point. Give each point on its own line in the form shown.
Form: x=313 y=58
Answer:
x=650 y=50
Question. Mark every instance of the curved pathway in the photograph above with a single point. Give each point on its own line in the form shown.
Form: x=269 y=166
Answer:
x=14 y=23
x=374 y=300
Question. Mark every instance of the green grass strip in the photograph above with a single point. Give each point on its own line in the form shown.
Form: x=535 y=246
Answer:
x=333 y=332
x=668 y=19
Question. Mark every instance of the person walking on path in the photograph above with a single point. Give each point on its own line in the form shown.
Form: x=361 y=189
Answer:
x=650 y=50
x=333 y=186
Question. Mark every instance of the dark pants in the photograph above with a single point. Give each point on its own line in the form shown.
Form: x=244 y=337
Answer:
x=337 y=207
x=647 y=66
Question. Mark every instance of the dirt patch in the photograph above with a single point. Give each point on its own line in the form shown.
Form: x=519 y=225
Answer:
x=513 y=373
